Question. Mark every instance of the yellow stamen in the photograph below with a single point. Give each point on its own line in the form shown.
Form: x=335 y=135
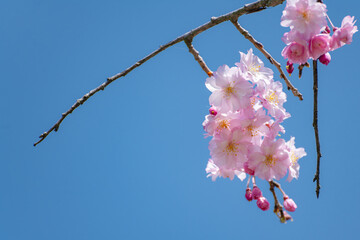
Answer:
x=270 y=161
x=232 y=148
x=253 y=132
x=293 y=159
x=255 y=68
x=224 y=124
x=273 y=98
x=228 y=91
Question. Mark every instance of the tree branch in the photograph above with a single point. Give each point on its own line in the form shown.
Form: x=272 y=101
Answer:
x=247 y=9
x=278 y=208
x=259 y=46
x=197 y=57
x=315 y=125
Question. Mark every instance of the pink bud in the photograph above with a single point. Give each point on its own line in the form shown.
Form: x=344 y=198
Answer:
x=256 y=193
x=325 y=58
x=212 y=111
x=289 y=67
x=248 y=194
x=263 y=203
x=289 y=204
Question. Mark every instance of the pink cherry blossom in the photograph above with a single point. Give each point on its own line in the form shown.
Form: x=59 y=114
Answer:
x=229 y=153
x=295 y=154
x=304 y=16
x=343 y=35
x=253 y=68
x=271 y=160
x=230 y=90
x=319 y=45
x=222 y=123
x=296 y=52
x=273 y=99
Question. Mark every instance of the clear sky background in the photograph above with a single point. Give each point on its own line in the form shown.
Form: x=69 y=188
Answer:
x=130 y=163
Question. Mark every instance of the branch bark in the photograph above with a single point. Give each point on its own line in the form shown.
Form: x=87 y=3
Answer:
x=316 y=129
x=247 y=9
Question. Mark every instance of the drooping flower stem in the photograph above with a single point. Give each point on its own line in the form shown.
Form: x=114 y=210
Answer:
x=278 y=208
x=316 y=129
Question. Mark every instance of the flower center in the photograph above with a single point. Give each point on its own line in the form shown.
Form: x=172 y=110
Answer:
x=273 y=98
x=293 y=159
x=229 y=90
x=232 y=148
x=305 y=16
x=223 y=124
x=270 y=161
x=253 y=132
x=255 y=68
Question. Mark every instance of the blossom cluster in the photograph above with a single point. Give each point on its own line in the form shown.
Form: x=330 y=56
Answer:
x=244 y=122
x=309 y=36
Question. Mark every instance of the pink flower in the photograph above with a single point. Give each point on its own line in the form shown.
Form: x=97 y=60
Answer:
x=289 y=204
x=273 y=99
x=343 y=35
x=230 y=90
x=319 y=45
x=295 y=154
x=221 y=123
x=229 y=152
x=271 y=160
x=253 y=68
x=263 y=203
x=304 y=16
x=296 y=52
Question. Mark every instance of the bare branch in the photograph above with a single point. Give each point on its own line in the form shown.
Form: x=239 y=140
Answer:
x=247 y=9
x=197 y=57
x=278 y=208
x=316 y=129
x=259 y=46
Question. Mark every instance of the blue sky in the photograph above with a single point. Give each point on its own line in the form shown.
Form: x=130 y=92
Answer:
x=129 y=164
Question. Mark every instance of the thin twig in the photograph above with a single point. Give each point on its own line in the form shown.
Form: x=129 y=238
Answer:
x=197 y=57
x=259 y=46
x=278 y=208
x=247 y=9
x=315 y=125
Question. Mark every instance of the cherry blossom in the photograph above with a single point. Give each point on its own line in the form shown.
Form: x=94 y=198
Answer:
x=343 y=35
x=306 y=16
x=295 y=154
x=230 y=90
x=253 y=68
x=271 y=160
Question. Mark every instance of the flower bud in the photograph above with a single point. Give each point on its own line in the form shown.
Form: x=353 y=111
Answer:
x=289 y=67
x=256 y=193
x=263 y=203
x=289 y=204
x=212 y=111
x=248 y=194
x=325 y=58
x=326 y=30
